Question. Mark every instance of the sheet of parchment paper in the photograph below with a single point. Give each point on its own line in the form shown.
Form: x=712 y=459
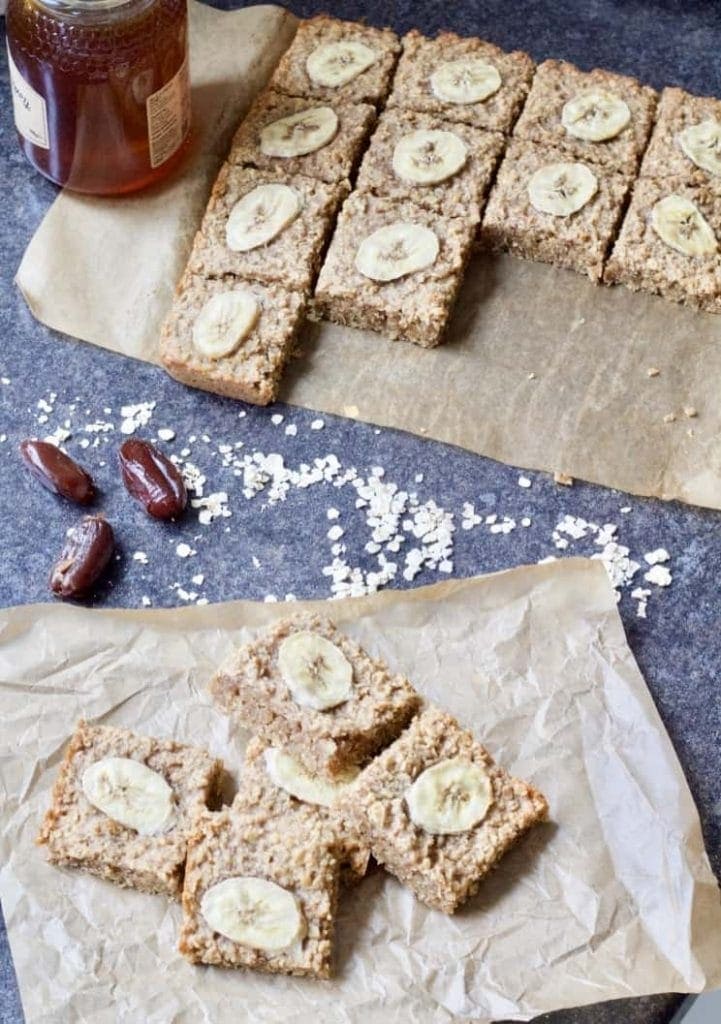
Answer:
x=613 y=897
x=541 y=369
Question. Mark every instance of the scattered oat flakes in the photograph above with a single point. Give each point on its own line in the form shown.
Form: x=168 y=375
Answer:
x=659 y=575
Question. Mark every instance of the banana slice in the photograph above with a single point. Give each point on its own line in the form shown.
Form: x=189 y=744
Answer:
x=468 y=80
x=335 y=64
x=315 y=671
x=289 y=774
x=254 y=912
x=427 y=157
x=131 y=793
x=595 y=116
x=396 y=250
x=224 y=322
x=680 y=224
x=299 y=134
x=562 y=189
x=452 y=796
x=261 y=215
x=701 y=143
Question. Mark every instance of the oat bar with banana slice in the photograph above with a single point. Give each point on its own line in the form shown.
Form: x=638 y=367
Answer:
x=461 y=79
x=438 y=813
x=305 y=686
x=598 y=117
x=330 y=59
x=275 y=780
x=548 y=207
x=395 y=268
x=321 y=139
x=123 y=806
x=669 y=243
x=445 y=166
x=260 y=893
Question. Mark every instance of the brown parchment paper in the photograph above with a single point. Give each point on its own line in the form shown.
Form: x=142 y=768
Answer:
x=104 y=270
x=613 y=897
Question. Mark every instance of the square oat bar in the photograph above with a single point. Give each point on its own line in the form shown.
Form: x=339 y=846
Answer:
x=139 y=848
x=305 y=686
x=296 y=214
x=300 y=136
x=437 y=811
x=461 y=79
x=247 y=366
x=393 y=267
x=259 y=893
x=577 y=239
x=596 y=116
x=669 y=243
x=273 y=780
x=446 y=166
x=686 y=140
x=332 y=60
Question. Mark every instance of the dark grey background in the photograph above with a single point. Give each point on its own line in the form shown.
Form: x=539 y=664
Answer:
x=678 y=646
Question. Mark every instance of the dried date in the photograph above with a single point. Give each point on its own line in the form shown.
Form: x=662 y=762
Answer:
x=85 y=556
x=57 y=471
x=152 y=479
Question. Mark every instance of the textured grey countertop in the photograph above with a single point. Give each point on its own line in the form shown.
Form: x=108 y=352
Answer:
x=266 y=548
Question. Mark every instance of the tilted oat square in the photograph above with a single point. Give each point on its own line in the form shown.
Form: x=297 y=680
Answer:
x=686 y=140
x=260 y=893
x=266 y=226
x=596 y=116
x=437 y=811
x=231 y=337
x=446 y=166
x=305 y=686
x=393 y=267
x=123 y=806
x=546 y=207
x=461 y=79
x=669 y=243
x=275 y=781
x=323 y=140
x=332 y=60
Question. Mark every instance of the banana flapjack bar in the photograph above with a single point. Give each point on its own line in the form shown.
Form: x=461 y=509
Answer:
x=438 y=813
x=123 y=806
x=305 y=686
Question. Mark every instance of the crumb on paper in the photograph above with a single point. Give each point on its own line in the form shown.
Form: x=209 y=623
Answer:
x=565 y=479
x=670 y=417
x=351 y=411
x=653 y=371
x=690 y=412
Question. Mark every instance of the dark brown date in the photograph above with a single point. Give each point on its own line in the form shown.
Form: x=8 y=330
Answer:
x=84 y=558
x=152 y=479
x=57 y=471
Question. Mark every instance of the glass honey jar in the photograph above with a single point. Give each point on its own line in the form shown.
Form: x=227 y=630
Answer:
x=100 y=89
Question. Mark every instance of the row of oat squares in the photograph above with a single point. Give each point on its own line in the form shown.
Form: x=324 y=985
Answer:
x=347 y=762
x=396 y=253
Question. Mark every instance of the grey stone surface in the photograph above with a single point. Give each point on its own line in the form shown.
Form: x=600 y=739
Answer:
x=677 y=646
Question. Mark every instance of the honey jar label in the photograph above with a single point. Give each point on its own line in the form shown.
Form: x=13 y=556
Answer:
x=29 y=108
x=168 y=112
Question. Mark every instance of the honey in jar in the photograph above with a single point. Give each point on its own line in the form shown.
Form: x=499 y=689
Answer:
x=100 y=89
